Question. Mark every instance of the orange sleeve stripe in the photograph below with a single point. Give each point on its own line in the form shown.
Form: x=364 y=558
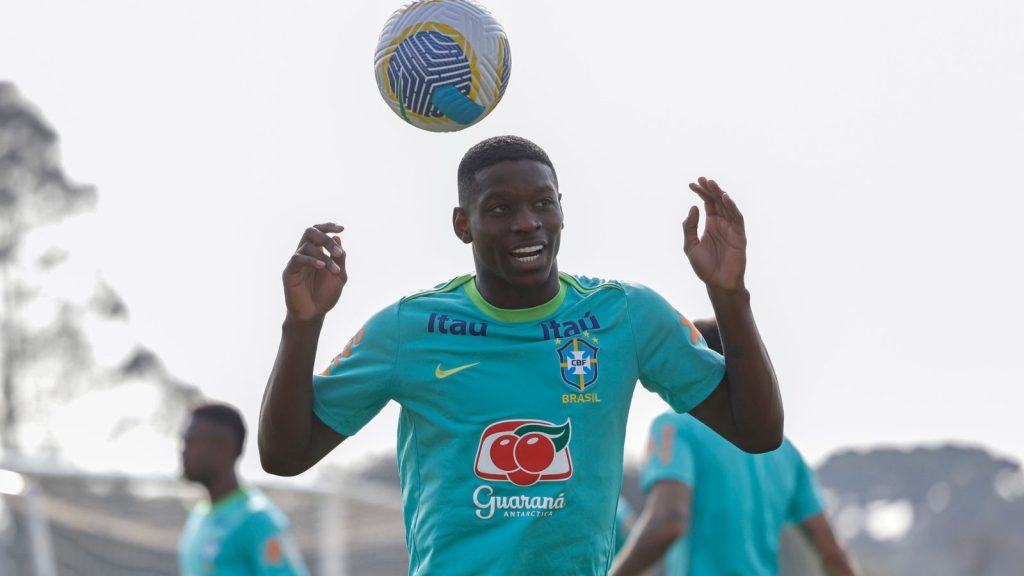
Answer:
x=272 y=553
x=353 y=342
x=695 y=334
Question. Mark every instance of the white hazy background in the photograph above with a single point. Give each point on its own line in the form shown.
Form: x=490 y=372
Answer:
x=876 y=150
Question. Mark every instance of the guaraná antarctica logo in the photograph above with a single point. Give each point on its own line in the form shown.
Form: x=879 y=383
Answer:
x=524 y=452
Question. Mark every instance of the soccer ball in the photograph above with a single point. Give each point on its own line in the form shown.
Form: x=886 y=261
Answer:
x=442 y=65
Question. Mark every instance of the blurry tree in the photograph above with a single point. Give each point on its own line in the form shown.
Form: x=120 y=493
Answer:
x=965 y=504
x=55 y=313
x=33 y=190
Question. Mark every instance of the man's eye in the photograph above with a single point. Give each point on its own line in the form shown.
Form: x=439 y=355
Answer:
x=499 y=209
x=546 y=202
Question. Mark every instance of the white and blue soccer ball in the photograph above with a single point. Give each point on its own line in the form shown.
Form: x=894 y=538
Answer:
x=442 y=65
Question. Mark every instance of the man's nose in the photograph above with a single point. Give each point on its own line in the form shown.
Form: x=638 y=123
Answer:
x=525 y=221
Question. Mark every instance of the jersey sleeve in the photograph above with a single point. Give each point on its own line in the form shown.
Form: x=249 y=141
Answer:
x=271 y=550
x=358 y=382
x=673 y=359
x=806 y=500
x=669 y=454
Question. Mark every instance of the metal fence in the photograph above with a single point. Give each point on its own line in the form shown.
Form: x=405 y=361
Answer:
x=64 y=523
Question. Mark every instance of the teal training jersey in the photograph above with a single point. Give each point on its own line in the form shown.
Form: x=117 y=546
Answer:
x=243 y=534
x=512 y=423
x=740 y=501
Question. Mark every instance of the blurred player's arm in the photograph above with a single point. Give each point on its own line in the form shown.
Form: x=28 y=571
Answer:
x=746 y=408
x=833 y=558
x=664 y=519
x=291 y=438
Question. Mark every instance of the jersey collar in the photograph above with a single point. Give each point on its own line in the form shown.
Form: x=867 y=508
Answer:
x=515 y=315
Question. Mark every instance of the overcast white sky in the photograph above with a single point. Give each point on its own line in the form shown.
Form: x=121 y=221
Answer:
x=875 y=148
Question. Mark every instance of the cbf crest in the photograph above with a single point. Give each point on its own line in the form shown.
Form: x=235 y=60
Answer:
x=578 y=361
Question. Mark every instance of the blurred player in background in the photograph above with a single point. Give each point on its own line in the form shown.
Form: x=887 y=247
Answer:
x=717 y=510
x=238 y=531
x=515 y=382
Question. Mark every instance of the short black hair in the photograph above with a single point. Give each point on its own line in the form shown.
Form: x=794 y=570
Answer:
x=708 y=328
x=491 y=151
x=224 y=415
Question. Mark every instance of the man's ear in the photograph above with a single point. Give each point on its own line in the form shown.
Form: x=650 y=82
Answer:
x=560 y=209
x=460 y=223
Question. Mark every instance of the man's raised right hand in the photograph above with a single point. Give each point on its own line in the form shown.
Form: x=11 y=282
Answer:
x=315 y=274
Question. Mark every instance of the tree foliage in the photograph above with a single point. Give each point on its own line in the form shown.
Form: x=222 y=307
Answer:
x=58 y=314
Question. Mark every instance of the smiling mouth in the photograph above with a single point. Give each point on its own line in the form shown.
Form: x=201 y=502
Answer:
x=528 y=254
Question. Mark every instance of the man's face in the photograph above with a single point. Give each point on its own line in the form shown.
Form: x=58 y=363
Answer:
x=514 y=223
x=207 y=450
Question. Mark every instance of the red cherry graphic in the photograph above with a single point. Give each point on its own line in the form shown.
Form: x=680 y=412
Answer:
x=522 y=477
x=534 y=452
x=502 y=452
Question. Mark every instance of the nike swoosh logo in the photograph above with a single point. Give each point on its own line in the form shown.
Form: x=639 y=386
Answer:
x=441 y=374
